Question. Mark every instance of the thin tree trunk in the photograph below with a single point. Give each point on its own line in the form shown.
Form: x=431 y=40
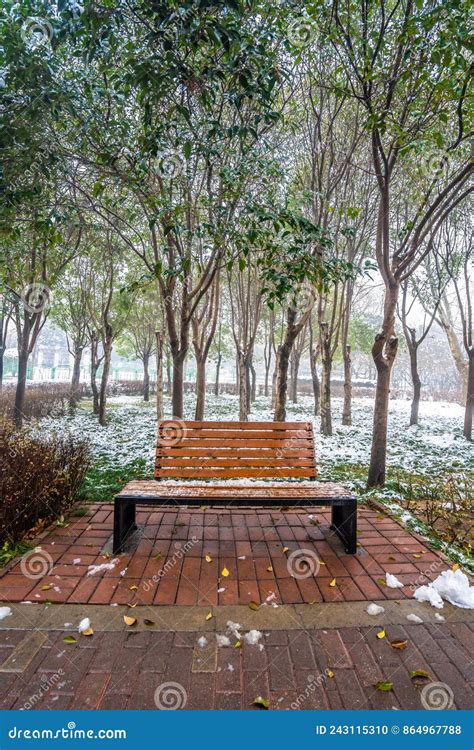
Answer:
x=21 y=386
x=243 y=393
x=104 y=382
x=169 y=386
x=313 y=358
x=76 y=376
x=468 y=414
x=218 y=372
x=326 y=362
x=347 y=406
x=384 y=352
x=159 y=376
x=415 y=377
x=282 y=382
x=253 y=382
x=94 y=368
x=200 y=388
x=325 y=406
x=146 y=377
x=275 y=382
x=177 y=397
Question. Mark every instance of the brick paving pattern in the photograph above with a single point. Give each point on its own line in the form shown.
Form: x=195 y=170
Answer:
x=168 y=565
x=123 y=670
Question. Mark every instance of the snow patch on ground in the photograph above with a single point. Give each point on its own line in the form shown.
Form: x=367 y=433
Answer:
x=92 y=570
x=451 y=585
x=5 y=612
x=393 y=582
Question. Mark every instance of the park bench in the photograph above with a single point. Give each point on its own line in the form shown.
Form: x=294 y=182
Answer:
x=189 y=450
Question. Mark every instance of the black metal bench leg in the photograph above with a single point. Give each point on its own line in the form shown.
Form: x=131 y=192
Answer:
x=124 y=523
x=344 y=523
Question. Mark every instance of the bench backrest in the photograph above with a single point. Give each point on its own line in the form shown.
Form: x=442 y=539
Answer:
x=222 y=450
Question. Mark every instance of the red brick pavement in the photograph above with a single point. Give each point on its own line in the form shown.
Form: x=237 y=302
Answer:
x=169 y=566
x=294 y=669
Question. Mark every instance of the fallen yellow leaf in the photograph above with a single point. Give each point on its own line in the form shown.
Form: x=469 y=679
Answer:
x=400 y=645
x=381 y=634
x=270 y=569
x=237 y=644
x=329 y=673
x=129 y=620
x=208 y=558
x=47 y=587
x=333 y=582
x=133 y=588
x=225 y=572
x=209 y=616
x=285 y=550
x=88 y=631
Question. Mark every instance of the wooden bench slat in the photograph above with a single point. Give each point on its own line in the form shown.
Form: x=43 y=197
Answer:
x=225 y=473
x=237 y=434
x=175 y=423
x=243 y=443
x=223 y=462
x=237 y=453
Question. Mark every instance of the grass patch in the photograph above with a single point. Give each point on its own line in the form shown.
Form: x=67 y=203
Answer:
x=9 y=551
x=103 y=481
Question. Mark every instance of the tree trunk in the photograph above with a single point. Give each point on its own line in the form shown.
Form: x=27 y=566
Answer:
x=2 y=352
x=313 y=358
x=325 y=407
x=76 y=377
x=146 y=377
x=218 y=372
x=295 y=366
x=275 y=382
x=94 y=368
x=159 y=376
x=200 y=388
x=283 y=358
x=169 y=386
x=347 y=406
x=253 y=382
x=415 y=404
x=104 y=382
x=468 y=415
x=384 y=352
x=326 y=363
x=177 y=397
x=20 y=387
x=243 y=392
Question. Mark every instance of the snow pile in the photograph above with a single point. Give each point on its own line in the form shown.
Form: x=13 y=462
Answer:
x=374 y=609
x=233 y=628
x=202 y=642
x=451 y=585
x=5 y=612
x=84 y=625
x=393 y=582
x=414 y=618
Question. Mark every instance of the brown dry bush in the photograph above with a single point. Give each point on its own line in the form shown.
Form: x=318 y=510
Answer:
x=39 y=479
x=41 y=400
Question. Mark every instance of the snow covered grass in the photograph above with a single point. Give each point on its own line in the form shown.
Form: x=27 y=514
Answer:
x=433 y=454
